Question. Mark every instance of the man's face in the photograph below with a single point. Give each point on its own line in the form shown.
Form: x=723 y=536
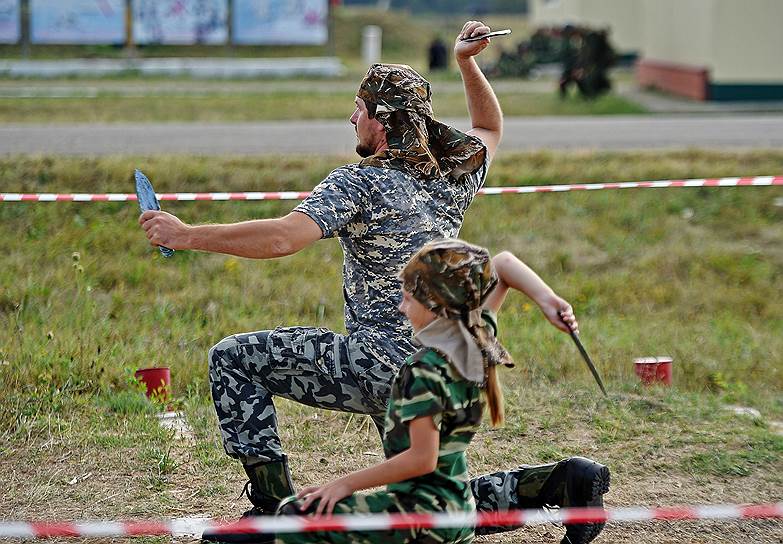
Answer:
x=369 y=132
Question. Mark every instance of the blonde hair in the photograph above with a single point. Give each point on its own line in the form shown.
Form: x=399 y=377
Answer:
x=494 y=396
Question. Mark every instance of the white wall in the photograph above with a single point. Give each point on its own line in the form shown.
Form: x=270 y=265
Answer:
x=622 y=17
x=553 y=12
x=748 y=41
x=739 y=41
x=678 y=31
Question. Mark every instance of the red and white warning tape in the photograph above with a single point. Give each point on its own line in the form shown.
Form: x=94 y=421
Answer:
x=370 y=522
x=293 y=195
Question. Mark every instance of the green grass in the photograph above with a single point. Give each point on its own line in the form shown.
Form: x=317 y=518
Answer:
x=694 y=273
x=691 y=273
x=270 y=106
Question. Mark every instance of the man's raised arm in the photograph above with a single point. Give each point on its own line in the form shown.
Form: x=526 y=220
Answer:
x=485 y=114
x=257 y=239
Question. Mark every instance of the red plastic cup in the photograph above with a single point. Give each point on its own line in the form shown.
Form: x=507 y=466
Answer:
x=157 y=381
x=654 y=369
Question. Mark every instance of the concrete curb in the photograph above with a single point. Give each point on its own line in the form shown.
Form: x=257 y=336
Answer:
x=217 y=68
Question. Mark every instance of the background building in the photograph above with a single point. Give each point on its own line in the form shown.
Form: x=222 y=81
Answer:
x=703 y=49
x=620 y=16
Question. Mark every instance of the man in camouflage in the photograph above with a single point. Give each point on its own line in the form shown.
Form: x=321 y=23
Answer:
x=414 y=184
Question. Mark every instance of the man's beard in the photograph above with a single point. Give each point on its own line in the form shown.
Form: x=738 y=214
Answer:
x=364 y=150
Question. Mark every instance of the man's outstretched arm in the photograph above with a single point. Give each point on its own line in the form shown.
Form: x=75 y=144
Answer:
x=486 y=117
x=257 y=239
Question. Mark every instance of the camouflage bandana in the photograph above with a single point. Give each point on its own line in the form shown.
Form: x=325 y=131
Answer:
x=418 y=144
x=453 y=279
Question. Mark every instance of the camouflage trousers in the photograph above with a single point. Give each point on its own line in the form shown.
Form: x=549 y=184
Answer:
x=313 y=366
x=324 y=369
x=375 y=503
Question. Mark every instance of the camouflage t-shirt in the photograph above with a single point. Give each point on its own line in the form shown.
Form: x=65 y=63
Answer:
x=382 y=217
x=428 y=385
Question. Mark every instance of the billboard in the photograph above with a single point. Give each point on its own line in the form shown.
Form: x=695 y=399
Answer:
x=280 y=22
x=77 y=21
x=180 y=21
x=9 y=21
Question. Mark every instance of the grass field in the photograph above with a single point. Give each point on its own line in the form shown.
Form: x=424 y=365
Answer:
x=691 y=273
x=271 y=106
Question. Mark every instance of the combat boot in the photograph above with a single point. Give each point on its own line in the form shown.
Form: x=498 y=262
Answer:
x=571 y=482
x=578 y=482
x=267 y=485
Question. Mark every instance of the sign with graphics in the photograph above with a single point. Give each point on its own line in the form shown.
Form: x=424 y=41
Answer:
x=180 y=21
x=76 y=21
x=9 y=21
x=280 y=22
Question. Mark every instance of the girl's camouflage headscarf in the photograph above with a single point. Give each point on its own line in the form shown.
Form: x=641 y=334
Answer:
x=453 y=279
x=418 y=144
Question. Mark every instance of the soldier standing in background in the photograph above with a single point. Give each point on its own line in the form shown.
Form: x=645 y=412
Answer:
x=438 y=55
x=569 y=57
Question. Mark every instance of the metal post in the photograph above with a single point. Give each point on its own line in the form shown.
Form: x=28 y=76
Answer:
x=130 y=45
x=230 y=23
x=331 y=49
x=24 y=27
x=371 y=44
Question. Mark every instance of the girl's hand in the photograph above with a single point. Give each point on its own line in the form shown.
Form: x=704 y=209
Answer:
x=328 y=495
x=464 y=50
x=559 y=312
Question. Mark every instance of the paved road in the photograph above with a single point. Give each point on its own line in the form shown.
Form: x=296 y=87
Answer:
x=337 y=137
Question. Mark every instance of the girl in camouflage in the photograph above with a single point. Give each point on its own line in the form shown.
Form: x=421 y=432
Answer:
x=435 y=406
x=438 y=396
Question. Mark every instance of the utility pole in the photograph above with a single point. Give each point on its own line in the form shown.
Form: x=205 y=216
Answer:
x=331 y=50
x=130 y=44
x=230 y=24
x=24 y=27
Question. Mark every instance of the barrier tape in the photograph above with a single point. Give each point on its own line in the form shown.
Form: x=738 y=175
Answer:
x=293 y=195
x=371 y=522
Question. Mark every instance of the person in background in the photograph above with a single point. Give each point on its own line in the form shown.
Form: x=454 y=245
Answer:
x=438 y=56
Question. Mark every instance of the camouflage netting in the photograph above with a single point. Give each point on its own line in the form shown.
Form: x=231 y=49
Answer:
x=418 y=144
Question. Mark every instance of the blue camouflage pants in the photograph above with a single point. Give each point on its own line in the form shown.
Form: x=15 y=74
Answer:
x=324 y=369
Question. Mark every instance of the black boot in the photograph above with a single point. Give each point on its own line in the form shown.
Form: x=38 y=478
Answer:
x=267 y=485
x=578 y=482
x=571 y=482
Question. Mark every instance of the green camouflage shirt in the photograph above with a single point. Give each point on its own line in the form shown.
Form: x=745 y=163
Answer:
x=427 y=385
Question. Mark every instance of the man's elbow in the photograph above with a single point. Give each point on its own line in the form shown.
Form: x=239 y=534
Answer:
x=291 y=234
x=496 y=127
x=281 y=245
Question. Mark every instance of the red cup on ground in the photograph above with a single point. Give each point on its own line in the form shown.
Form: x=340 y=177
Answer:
x=157 y=381
x=654 y=369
